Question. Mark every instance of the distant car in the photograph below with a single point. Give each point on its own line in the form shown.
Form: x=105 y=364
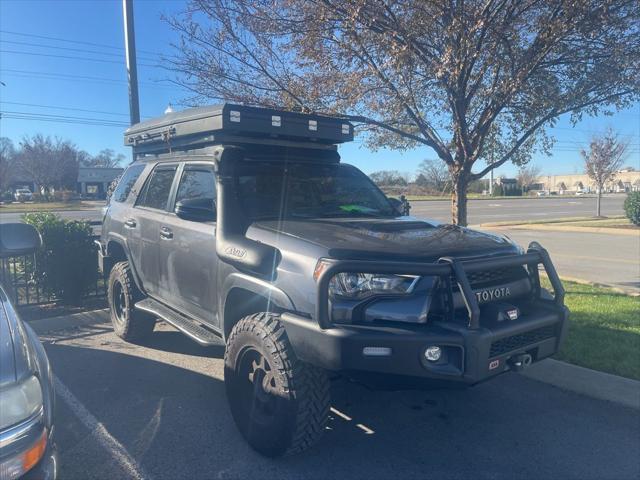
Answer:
x=541 y=193
x=23 y=195
x=27 y=447
x=581 y=192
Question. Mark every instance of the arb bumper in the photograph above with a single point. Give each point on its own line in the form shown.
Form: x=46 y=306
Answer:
x=468 y=351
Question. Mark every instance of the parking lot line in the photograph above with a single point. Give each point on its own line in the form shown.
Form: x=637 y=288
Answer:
x=114 y=448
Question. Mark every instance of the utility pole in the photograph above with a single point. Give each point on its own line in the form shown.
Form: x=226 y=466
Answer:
x=130 y=56
x=491 y=177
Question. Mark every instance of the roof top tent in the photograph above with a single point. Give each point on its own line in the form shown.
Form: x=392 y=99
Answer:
x=195 y=129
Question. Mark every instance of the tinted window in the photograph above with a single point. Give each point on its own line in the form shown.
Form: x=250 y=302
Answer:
x=198 y=181
x=308 y=191
x=156 y=191
x=126 y=182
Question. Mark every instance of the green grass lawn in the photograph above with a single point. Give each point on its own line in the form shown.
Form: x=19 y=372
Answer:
x=604 y=330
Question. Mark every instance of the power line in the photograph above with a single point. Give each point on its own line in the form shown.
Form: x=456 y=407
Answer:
x=79 y=42
x=61 y=119
x=62 y=76
x=83 y=50
x=102 y=60
x=63 y=108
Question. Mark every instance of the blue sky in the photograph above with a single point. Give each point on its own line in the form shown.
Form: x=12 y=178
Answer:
x=38 y=76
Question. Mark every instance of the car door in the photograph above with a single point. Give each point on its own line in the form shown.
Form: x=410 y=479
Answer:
x=191 y=253
x=148 y=214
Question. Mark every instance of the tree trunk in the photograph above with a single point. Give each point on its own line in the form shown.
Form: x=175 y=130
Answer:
x=598 y=202
x=459 y=198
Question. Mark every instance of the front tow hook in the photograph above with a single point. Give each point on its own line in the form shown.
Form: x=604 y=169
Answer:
x=520 y=362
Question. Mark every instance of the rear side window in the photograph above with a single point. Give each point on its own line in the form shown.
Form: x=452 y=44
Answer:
x=155 y=193
x=198 y=181
x=126 y=183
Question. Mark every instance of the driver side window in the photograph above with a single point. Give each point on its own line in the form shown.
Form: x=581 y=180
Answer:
x=198 y=181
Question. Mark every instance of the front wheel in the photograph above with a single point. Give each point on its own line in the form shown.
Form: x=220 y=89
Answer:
x=128 y=323
x=279 y=403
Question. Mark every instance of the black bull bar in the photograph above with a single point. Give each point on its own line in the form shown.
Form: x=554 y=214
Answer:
x=445 y=267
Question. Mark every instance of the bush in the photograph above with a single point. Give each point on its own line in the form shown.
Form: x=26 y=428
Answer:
x=632 y=207
x=66 y=265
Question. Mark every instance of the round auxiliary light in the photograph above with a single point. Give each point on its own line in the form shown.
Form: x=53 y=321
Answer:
x=433 y=353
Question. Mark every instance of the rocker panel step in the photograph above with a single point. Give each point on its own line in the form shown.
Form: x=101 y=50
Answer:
x=186 y=325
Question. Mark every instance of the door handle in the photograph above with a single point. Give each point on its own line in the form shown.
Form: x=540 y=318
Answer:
x=166 y=233
x=131 y=223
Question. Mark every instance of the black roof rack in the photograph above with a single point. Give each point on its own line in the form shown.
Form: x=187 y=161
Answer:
x=200 y=127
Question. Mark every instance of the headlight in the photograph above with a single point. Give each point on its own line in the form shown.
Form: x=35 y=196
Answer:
x=19 y=402
x=363 y=285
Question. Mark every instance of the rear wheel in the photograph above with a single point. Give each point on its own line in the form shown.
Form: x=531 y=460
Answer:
x=279 y=403
x=122 y=294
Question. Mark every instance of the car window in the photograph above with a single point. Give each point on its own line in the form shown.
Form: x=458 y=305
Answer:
x=309 y=190
x=155 y=193
x=198 y=181
x=126 y=183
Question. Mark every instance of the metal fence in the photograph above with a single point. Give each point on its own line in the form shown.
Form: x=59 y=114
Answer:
x=19 y=280
x=17 y=275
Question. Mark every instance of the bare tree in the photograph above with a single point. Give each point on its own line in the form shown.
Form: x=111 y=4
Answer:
x=7 y=160
x=436 y=174
x=106 y=158
x=527 y=176
x=389 y=178
x=603 y=159
x=459 y=77
x=50 y=163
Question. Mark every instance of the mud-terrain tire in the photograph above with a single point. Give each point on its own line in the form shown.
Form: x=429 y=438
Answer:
x=279 y=403
x=122 y=294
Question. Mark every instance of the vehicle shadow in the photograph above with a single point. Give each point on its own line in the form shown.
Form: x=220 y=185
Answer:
x=176 y=424
x=176 y=342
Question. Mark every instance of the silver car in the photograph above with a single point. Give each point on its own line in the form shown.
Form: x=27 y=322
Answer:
x=27 y=447
x=23 y=195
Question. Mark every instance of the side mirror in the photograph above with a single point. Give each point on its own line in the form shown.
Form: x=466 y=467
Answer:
x=401 y=205
x=196 y=209
x=18 y=239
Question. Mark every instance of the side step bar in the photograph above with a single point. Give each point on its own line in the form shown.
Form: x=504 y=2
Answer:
x=186 y=325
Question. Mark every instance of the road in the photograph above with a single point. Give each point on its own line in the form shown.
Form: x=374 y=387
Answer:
x=521 y=209
x=595 y=257
x=158 y=411
x=480 y=211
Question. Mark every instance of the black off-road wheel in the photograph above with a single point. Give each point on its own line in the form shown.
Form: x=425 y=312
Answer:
x=279 y=403
x=128 y=323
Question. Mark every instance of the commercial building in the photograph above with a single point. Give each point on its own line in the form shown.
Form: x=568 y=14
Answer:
x=91 y=181
x=623 y=181
x=94 y=181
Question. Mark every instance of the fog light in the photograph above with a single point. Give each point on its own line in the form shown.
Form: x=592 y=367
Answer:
x=376 y=351
x=433 y=353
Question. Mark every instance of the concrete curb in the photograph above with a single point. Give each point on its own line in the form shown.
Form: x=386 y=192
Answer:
x=584 y=381
x=92 y=317
x=614 y=288
x=566 y=228
x=603 y=386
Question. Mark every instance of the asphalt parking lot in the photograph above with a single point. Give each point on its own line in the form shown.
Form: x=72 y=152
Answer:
x=158 y=411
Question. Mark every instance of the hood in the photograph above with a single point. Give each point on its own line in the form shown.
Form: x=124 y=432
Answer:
x=405 y=239
x=14 y=354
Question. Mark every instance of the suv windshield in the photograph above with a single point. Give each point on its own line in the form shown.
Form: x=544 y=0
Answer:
x=309 y=191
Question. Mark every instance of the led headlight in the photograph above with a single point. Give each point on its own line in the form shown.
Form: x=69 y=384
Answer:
x=19 y=402
x=362 y=285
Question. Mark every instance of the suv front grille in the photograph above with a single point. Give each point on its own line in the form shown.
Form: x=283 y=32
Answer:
x=514 y=342
x=496 y=277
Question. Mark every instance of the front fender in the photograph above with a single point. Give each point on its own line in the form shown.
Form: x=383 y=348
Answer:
x=259 y=287
x=122 y=241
